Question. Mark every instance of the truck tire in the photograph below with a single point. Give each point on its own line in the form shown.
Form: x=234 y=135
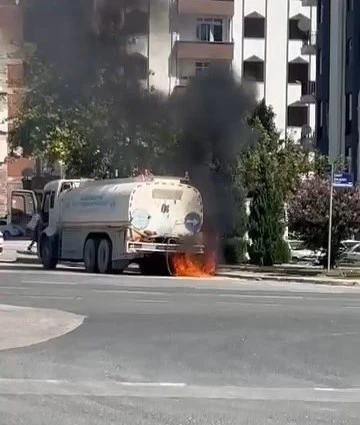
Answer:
x=48 y=260
x=90 y=255
x=104 y=256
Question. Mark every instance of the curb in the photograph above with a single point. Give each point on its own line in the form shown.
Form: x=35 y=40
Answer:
x=21 y=260
x=289 y=279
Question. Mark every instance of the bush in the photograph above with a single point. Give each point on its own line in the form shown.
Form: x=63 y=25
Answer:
x=234 y=250
x=282 y=253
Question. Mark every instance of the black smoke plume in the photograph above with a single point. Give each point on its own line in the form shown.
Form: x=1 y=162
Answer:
x=212 y=114
x=85 y=41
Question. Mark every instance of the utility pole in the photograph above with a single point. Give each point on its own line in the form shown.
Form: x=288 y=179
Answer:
x=330 y=216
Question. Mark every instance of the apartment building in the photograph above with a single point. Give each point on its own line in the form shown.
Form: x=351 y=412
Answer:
x=275 y=46
x=11 y=80
x=272 y=43
x=338 y=80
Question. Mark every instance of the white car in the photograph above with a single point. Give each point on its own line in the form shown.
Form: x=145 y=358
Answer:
x=351 y=255
x=1 y=243
x=10 y=230
x=299 y=252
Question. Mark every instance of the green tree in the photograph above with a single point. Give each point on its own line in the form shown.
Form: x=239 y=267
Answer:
x=266 y=226
x=93 y=135
x=290 y=160
x=309 y=214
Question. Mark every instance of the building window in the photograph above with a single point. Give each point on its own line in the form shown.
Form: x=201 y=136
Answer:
x=350 y=4
x=295 y=33
x=297 y=116
x=209 y=30
x=201 y=66
x=322 y=13
x=298 y=72
x=320 y=111
x=254 y=70
x=15 y=75
x=348 y=113
x=254 y=27
x=349 y=44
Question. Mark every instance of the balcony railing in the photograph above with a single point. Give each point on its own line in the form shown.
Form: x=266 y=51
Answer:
x=309 y=3
x=309 y=45
x=206 y=7
x=308 y=92
x=203 y=50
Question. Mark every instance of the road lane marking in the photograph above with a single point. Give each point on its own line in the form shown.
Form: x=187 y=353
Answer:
x=51 y=282
x=149 y=301
x=249 y=304
x=135 y=292
x=110 y=388
x=50 y=297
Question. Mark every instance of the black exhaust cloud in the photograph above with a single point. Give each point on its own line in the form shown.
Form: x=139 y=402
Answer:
x=212 y=114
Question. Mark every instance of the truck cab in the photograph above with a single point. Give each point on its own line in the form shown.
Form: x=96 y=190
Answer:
x=49 y=210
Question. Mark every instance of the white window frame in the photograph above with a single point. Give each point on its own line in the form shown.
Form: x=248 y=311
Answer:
x=211 y=23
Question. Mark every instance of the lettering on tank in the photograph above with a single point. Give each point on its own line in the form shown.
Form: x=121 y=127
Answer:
x=91 y=202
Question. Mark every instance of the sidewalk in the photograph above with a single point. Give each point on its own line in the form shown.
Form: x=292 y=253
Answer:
x=284 y=273
x=318 y=279
x=21 y=257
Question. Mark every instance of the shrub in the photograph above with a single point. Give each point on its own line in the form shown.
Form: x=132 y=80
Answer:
x=282 y=253
x=234 y=250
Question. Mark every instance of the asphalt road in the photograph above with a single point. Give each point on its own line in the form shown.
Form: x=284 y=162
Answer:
x=179 y=351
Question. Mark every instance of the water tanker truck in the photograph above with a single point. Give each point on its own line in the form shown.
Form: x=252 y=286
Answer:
x=108 y=224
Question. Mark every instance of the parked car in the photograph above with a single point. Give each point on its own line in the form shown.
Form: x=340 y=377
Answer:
x=299 y=252
x=351 y=255
x=10 y=230
x=348 y=244
x=1 y=243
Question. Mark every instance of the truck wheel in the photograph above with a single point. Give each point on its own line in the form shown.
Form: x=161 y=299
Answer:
x=90 y=255
x=104 y=256
x=48 y=260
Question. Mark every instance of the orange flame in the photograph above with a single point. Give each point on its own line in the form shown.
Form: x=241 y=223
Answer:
x=199 y=266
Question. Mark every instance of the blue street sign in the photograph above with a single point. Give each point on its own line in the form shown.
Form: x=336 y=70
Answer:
x=343 y=180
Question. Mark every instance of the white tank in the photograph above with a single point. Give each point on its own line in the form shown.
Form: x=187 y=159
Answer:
x=161 y=206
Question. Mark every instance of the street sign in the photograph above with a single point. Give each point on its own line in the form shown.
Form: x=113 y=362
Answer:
x=337 y=180
x=343 y=180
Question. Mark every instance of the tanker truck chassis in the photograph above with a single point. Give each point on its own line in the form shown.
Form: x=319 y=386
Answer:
x=111 y=223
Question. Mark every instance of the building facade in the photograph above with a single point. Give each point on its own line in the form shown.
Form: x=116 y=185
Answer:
x=271 y=43
x=338 y=80
x=275 y=45
x=11 y=82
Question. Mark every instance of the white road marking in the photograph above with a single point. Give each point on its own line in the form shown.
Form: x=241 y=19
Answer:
x=15 y=287
x=109 y=388
x=150 y=301
x=248 y=304
x=51 y=282
x=50 y=297
x=135 y=292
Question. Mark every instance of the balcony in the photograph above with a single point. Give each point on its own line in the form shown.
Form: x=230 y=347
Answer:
x=309 y=3
x=309 y=45
x=206 y=7
x=308 y=92
x=202 y=50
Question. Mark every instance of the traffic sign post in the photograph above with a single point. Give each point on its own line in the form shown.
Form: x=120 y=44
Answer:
x=337 y=180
